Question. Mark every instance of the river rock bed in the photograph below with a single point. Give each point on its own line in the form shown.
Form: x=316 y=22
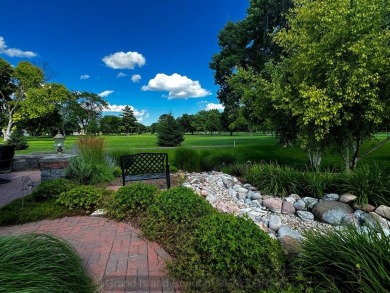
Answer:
x=285 y=218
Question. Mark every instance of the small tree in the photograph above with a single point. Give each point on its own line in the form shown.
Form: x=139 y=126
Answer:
x=129 y=122
x=169 y=132
x=17 y=140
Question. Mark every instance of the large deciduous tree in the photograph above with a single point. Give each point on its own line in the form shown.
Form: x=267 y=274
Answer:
x=84 y=108
x=186 y=123
x=335 y=78
x=24 y=93
x=246 y=44
x=110 y=124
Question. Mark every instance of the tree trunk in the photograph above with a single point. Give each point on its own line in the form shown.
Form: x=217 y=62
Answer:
x=7 y=132
x=315 y=157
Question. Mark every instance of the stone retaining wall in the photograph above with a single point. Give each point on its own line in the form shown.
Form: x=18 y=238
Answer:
x=26 y=162
x=52 y=166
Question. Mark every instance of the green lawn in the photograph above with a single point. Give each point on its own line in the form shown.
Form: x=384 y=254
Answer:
x=256 y=147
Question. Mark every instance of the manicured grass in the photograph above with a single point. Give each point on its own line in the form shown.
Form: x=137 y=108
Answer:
x=256 y=148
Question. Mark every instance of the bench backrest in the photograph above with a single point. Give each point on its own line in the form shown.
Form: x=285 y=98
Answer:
x=144 y=163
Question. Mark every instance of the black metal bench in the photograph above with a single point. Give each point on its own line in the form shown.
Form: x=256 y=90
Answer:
x=145 y=166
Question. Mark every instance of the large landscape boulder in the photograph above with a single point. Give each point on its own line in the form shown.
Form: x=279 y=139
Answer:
x=332 y=212
x=273 y=204
x=383 y=211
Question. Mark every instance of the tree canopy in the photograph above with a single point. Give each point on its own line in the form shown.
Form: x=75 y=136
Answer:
x=247 y=44
x=25 y=93
x=330 y=86
x=129 y=122
x=169 y=132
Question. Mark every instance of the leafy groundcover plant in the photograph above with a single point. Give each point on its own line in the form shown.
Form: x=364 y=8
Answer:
x=41 y=263
x=81 y=197
x=131 y=200
x=174 y=214
x=229 y=254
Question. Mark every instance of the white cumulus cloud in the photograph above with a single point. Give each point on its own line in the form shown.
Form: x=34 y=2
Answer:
x=84 y=76
x=139 y=114
x=122 y=60
x=212 y=106
x=136 y=78
x=13 y=52
x=178 y=86
x=105 y=93
x=121 y=74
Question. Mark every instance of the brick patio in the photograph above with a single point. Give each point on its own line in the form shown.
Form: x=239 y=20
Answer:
x=114 y=253
x=16 y=189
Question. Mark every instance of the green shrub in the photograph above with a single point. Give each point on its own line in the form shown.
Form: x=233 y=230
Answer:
x=18 y=140
x=229 y=254
x=370 y=183
x=85 y=197
x=131 y=200
x=346 y=260
x=174 y=212
x=41 y=263
x=117 y=171
x=273 y=179
x=51 y=189
x=187 y=159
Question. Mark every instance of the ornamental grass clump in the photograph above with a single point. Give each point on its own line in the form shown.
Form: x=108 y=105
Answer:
x=228 y=254
x=345 y=260
x=370 y=183
x=274 y=179
x=91 y=165
x=188 y=159
x=41 y=263
x=316 y=184
x=217 y=159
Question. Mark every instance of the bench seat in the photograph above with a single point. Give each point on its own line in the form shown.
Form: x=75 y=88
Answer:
x=145 y=166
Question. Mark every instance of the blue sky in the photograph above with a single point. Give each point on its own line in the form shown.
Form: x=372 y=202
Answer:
x=151 y=55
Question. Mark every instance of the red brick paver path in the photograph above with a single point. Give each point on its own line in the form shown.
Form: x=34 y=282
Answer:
x=118 y=258
x=17 y=187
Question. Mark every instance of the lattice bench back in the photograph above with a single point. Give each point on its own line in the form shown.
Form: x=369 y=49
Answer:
x=145 y=166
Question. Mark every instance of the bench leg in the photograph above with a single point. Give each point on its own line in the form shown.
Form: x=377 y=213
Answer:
x=168 y=181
